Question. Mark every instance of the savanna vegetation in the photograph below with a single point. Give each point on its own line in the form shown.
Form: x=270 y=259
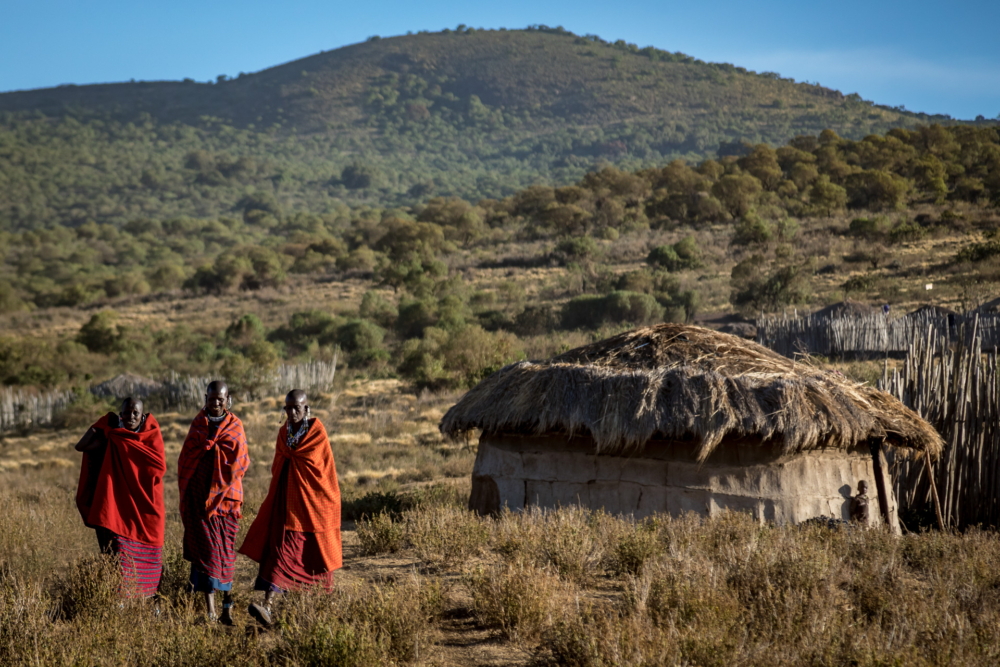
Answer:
x=427 y=582
x=468 y=113
x=444 y=292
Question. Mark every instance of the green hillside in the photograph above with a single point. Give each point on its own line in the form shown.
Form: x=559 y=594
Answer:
x=470 y=113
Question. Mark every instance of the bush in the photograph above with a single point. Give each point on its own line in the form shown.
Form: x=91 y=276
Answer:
x=979 y=252
x=677 y=257
x=592 y=312
x=444 y=535
x=380 y=534
x=363 y=340
x=752 y=230
x=757 y=286
x=576 y=248
x=869 y=228
x=99 y=334
x=515 y=600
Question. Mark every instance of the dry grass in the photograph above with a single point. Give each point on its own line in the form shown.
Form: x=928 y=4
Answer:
x=427 y=582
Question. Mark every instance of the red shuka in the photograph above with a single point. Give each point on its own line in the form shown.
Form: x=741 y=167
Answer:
x=228 y=448
x=128 y=496
x=312 y=496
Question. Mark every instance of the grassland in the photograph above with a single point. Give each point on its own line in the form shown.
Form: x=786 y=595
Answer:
x=427 y=583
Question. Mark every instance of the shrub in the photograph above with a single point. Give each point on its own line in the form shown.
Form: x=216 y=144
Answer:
x=372 y=504
x=756 y=286
x=380 y=534
x=515 y=600
x=99 y=334
x=907 y=232
x=576 y=248
x=634 y=547
x=378 y=309
x=752 y=230
x=617 y=307
x=677 y=257
x=979 y=252
x=363 y=340
x=443 y=535
x=869 y=228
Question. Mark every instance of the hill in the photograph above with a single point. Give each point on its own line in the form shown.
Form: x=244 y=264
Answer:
x=470 y=113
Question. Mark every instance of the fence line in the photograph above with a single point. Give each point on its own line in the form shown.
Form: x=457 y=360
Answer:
x=22 y=408
x=866 y=336
x=26 y=408
x=952 y=384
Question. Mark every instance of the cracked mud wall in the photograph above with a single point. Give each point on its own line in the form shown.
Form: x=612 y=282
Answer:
x=745 y=475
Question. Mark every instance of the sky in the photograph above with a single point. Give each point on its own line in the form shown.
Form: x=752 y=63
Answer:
x=926 y=56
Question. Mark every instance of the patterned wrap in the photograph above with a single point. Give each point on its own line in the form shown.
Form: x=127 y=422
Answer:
x=226 y=444
x=304 y=497
x=141 y=563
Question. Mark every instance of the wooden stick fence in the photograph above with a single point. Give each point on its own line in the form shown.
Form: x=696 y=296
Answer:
x=28 y=408
x=866 y=336
x=952 y=384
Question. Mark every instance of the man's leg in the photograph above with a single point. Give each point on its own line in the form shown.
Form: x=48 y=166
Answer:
x=227 y=609
x=210 y=605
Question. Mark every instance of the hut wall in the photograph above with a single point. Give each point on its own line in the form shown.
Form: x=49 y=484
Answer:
x=517 y=471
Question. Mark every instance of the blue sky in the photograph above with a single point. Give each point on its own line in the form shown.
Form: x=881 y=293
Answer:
x=927 y=56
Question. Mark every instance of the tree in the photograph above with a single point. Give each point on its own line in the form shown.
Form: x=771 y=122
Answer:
x=358 y=176
x=100 y=334
x=876 y=190
x=826 y=196
x=757 y=286
x=763 y=165
x=737 y=193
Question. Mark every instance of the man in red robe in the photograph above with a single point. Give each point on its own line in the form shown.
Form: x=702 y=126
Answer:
x=120 y=494
x=296 y=535
x=210 y=473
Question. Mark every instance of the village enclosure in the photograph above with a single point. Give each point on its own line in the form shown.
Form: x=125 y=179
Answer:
x=675 y=419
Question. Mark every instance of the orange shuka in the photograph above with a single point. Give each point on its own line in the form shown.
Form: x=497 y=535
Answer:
x=312 y=497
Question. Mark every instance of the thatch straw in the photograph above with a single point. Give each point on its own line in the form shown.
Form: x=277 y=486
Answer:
x=683 y=383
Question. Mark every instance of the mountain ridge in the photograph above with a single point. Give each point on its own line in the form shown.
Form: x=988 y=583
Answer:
x=473 y=114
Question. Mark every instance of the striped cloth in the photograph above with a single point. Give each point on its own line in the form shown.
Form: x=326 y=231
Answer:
x=294 y=559
x=210 y=545
x=210 y=535
x=141 y=563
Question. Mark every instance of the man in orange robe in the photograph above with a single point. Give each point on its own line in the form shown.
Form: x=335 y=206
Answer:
x=121 y=493
x=296 y=535
x=210 y=473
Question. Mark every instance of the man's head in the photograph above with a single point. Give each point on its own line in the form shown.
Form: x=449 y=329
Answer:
x=296 y=406
x=216 y=398
x=131 y=413
x=862 y=487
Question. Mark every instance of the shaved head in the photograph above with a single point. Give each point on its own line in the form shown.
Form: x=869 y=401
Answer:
x=216 y=399
x=128 y=402
x=217 y=386
x=296 y=407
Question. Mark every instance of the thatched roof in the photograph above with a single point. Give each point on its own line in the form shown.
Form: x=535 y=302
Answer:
x=680 y=382
x=125 y=385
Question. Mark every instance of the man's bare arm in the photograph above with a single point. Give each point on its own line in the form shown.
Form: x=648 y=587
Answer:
x=90 y=441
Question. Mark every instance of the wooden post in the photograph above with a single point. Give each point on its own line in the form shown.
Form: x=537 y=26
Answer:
x=875 y=445
x=934 y=494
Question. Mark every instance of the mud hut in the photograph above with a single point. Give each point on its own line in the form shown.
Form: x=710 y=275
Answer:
x=676 y=418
